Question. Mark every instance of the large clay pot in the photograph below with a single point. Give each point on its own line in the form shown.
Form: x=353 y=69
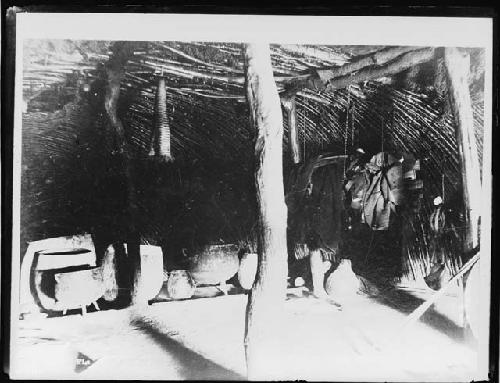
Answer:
x=215 y=264
x=247 y=270
x=43 y=265
x=77 y=289
x=342 y=284
x=180 y=285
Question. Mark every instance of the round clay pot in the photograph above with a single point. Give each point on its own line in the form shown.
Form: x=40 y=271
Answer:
x=180 y=285
x=342 y=284
x=247 y=270
x=78 y=288
x=215 y=264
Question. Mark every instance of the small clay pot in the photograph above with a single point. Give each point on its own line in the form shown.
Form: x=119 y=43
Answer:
x=342 y=284
x=214 y=264
x=180 y=285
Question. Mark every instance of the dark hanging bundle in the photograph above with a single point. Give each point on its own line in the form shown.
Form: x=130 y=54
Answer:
x=383 y=190
x=437 y=223
x=375 y=189
x=314 y=203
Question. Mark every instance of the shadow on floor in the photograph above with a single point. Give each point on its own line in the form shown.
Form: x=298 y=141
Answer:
x=192 y=365
x=406 y=303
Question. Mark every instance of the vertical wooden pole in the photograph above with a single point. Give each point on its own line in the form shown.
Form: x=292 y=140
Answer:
x=115 y=70
x=293 y=134
x=266 y=299
x=317 y=273
x=457 y=66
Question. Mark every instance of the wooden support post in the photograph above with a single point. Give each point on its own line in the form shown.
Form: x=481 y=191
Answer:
x=293 y=134
x=266 y=299
x=457 y=67
x=457 y=64
x=137 y=296
x=115 y=70
x=317 y=273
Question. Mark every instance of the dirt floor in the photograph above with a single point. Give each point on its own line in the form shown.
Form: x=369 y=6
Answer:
x=203 y=339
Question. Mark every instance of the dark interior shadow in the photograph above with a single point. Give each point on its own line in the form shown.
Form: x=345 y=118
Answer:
x=192 y=365
x=406 y=303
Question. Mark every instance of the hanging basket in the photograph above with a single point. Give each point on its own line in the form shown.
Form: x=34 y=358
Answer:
x=247 y=270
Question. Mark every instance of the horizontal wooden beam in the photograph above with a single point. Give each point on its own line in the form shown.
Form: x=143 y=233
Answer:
x=374 y=59
x=399 y=64
x=379 y=64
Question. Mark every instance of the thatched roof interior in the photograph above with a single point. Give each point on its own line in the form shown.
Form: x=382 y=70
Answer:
x=64 y=149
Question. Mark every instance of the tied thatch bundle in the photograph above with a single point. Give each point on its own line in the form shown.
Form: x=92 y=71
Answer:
x=161 y=133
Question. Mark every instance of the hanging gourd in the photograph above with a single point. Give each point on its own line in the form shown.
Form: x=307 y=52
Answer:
x=437 y=219
x=161 y=133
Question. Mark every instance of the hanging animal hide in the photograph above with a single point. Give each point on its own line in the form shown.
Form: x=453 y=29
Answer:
x=376 y=189
x=315 y=207
x=161 y=131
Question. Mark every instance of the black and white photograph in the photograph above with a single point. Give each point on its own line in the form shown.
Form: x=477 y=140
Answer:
x=251 y=197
